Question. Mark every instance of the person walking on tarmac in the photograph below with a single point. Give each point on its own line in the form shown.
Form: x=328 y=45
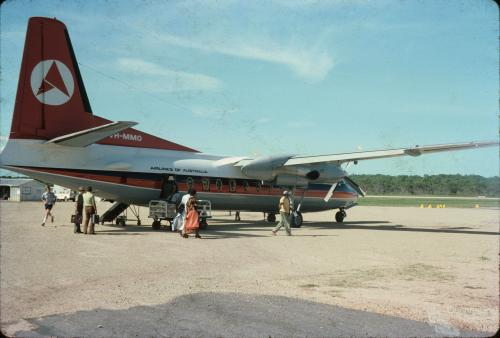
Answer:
x=90 y=209
x=284 y=213
x=182 y=209
x=192 y=221
x=79 y=210
x=49 y=199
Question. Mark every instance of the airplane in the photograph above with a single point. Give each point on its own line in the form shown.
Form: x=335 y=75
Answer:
x=56 y=138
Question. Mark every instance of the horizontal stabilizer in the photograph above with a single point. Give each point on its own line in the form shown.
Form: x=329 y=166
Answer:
x=88 y=136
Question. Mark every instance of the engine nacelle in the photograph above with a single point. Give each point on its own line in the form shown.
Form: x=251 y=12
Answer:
x=271 y=168
x=264 y=168
x=329 y=173
x=291 y=181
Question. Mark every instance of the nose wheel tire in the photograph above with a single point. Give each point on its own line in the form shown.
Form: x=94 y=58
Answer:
x=340 y=215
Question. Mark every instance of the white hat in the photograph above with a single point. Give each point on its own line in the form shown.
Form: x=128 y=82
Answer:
x=285 y=192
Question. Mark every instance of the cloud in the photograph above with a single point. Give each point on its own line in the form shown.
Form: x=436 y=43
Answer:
x=263 y=120
x=157 y=78
x=212 y=113
x=299 y=124
x=307 y=62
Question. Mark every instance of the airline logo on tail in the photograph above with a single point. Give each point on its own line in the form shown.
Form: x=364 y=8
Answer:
x=52 y=82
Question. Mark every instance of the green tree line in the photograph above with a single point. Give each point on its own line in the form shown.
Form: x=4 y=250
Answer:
x=440 y=185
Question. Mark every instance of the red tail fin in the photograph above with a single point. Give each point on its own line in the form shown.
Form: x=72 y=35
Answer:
x=51 y=99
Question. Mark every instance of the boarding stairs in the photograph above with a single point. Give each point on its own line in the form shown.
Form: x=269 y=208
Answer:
x=116 y=209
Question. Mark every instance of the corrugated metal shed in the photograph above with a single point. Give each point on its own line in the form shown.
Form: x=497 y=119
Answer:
x=21 y=189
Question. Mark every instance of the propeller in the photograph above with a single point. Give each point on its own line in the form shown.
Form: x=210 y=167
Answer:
x=330 y=192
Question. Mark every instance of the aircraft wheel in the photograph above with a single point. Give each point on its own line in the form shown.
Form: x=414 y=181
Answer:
x=156 y=225
x=138 y=222
x=271 y=218
x=203 y=224
x=296 y=219
x=340 y=215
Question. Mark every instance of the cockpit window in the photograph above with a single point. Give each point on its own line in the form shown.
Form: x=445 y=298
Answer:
x=342 y=186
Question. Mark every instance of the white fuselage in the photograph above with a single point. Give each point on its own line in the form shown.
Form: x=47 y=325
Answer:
x=128 y=174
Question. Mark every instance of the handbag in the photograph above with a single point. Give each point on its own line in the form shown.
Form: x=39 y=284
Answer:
x=95 y=218
x=77 y=219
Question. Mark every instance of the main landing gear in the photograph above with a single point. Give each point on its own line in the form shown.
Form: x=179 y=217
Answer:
x=156 y=225
x=271 y=217
x=340 y=215
x=296 y=219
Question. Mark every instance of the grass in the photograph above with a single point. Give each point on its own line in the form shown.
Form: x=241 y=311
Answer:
x=426 y=201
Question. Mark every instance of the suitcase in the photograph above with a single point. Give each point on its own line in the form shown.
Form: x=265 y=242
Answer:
x=77 y=219
x=95 y=218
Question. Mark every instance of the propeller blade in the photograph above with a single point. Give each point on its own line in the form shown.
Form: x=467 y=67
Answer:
x=330 y=192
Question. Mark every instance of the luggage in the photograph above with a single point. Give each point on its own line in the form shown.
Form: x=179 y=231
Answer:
x=95 y=219
x=76 y=219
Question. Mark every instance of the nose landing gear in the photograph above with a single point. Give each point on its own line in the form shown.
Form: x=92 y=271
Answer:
x=340 y=215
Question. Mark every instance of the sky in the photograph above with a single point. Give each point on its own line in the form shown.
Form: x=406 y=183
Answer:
x=272 y=77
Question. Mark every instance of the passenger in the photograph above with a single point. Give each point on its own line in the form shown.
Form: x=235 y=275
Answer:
x=90 y=209
x=49 y=199
x=182 y=208
x=175 y=198
x=79 y=210
x=192 y=222
x=284 y=213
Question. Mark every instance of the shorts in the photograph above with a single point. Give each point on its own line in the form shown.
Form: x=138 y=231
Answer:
x=48 y=206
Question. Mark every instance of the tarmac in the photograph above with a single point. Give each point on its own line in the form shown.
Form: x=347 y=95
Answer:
x=386 y=271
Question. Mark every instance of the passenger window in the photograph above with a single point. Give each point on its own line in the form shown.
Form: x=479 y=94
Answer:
x=218 y=184
x=206 y=184
x=232 y=185
x=189 y=182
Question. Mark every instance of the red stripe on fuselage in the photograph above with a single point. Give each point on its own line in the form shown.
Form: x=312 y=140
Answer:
x=251 y=189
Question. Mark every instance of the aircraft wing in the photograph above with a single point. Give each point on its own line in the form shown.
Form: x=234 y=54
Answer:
x=368 y=155
x=86 y=137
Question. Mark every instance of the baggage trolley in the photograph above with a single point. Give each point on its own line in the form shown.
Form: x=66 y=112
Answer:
x=160 y=210
x=204 y=208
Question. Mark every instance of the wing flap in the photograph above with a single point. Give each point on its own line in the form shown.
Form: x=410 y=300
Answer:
x=368 y=155
x=86 y=137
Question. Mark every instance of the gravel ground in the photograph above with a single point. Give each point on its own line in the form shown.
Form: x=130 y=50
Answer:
x=384 y=272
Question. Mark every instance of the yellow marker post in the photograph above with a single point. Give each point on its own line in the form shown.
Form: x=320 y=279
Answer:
x=421 y=206
x=477 y=206
x=429 y=206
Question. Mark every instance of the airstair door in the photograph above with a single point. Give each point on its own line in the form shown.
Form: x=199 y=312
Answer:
x=168 y=187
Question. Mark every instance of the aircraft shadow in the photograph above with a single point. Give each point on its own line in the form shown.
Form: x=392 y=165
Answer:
x=211 y=314
x=206 y=234
x=397 y=227
x=223 y=228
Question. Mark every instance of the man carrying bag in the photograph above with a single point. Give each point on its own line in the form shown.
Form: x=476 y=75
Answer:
x=90 y=211
x=77 y=217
